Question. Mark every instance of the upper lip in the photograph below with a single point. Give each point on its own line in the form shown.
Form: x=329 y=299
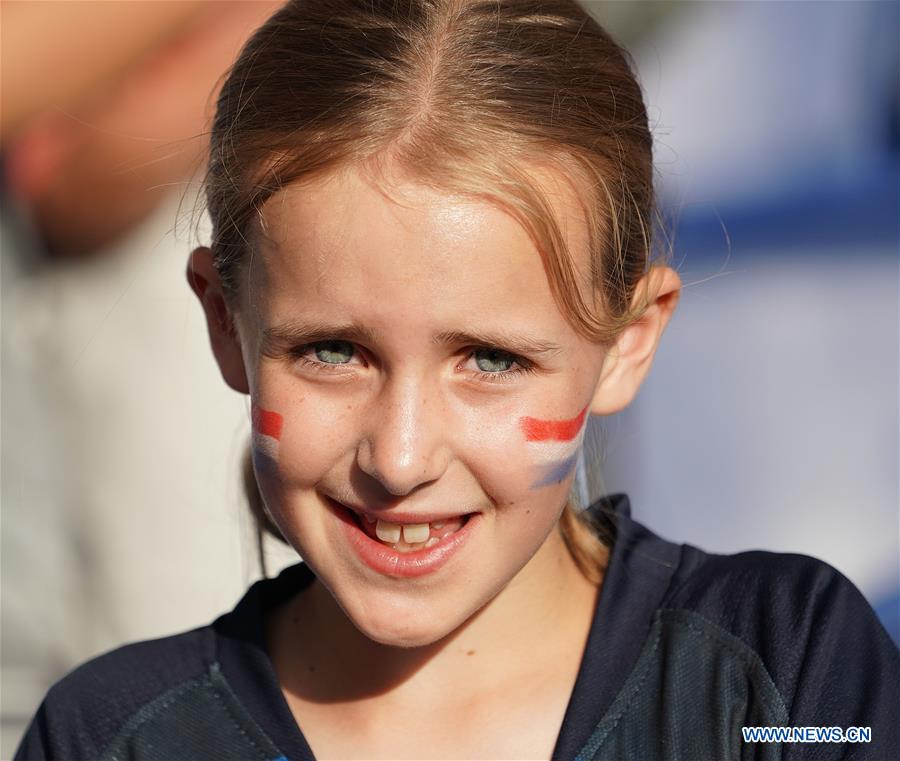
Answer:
x=399 y=517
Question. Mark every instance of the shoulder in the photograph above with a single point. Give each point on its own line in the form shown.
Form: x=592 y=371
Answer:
x=742 y=640
x=747 y=581
x=768 y=599
x=812 y=631
x=170 y=697
x=85 y=710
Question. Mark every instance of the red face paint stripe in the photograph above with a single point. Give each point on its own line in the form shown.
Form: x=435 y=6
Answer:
x=553 y=430
x=266 y=422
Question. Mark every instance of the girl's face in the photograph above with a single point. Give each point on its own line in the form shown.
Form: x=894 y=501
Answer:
x=406 y=359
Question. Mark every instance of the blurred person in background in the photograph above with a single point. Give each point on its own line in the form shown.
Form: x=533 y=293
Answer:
x=104 y=536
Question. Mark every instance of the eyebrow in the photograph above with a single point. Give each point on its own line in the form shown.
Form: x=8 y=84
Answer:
x=508 y=341
x=296 y=333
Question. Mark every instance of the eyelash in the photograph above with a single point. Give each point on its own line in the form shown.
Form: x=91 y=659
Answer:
x=505 y=376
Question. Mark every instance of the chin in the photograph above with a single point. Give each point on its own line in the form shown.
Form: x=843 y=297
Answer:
x=408 y=637
x=409 y=625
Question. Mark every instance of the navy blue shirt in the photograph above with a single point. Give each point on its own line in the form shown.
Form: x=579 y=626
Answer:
x=685 y=649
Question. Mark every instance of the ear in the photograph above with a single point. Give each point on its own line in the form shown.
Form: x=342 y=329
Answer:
x=226 y=345
x=628 y=361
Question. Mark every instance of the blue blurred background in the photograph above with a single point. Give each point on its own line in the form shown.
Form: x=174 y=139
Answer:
x=770 y=418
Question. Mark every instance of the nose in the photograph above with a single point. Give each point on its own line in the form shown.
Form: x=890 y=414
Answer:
x=405 y=445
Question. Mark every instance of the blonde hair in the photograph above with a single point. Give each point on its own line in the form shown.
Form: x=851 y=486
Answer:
x=467 y=96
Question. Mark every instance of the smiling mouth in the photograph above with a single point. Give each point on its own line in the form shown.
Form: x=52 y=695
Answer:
x=408 y=537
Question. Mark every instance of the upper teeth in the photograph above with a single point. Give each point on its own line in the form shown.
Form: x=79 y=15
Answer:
x=412 y=532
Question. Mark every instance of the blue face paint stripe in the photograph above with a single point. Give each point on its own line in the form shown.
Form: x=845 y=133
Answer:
x=557 y=471
x=262 y=463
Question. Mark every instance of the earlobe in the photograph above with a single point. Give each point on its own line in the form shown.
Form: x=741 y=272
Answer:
x=628 y=362
x=204 y=280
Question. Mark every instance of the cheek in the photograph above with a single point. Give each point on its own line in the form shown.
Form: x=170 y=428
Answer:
x=295 y=449
x=551 y=447
x=522 y=464
x=265 y=443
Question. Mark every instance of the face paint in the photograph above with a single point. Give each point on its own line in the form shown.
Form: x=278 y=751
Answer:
x=266 y=435
x=553 y=446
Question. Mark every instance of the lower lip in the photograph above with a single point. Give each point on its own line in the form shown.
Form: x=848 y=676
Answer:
x=387 y=561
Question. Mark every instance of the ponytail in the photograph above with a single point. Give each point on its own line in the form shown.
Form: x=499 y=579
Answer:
x=587 y=541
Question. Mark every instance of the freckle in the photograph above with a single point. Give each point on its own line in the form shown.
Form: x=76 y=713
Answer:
x=470 y=652
x=311 y=668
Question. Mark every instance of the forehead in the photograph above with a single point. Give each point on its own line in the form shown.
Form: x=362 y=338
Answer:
x=346 y=243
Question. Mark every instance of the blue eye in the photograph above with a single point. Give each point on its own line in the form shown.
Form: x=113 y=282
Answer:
x=500 y=361
x=334 y=352
x=328 y=354
x=494 y=358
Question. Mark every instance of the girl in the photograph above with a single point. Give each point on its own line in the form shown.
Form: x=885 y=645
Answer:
x=431 y=262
